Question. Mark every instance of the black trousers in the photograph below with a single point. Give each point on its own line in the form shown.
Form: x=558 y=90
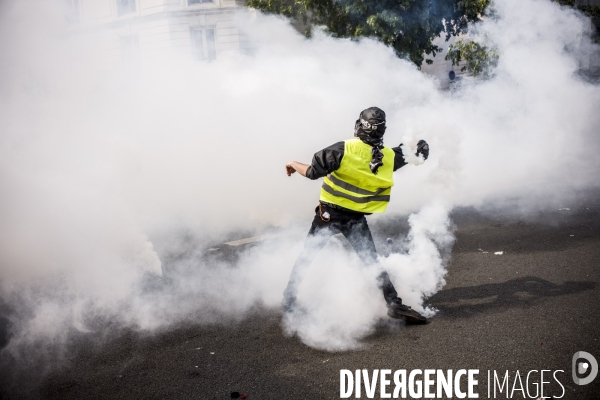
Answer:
x=354 y=227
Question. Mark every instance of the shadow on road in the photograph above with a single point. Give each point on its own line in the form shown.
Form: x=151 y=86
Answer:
x=520 y=292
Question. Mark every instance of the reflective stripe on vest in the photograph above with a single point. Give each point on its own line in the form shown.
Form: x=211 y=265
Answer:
x=354 y=186
x=367 y=199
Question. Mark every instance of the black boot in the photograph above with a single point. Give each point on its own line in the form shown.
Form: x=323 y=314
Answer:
x=400 y=311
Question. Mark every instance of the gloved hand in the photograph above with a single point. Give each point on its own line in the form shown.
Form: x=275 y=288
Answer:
x=423 y=148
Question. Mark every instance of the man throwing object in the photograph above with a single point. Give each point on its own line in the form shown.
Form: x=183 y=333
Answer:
x=358 y=180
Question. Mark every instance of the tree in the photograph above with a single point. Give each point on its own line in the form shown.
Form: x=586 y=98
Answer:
x=589 y=10
x=480 y=59
x=409 y=26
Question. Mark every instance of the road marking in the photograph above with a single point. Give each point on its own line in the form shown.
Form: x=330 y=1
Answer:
x=246 y=241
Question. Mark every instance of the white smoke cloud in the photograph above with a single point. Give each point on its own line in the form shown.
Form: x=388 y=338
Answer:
x=101 y=171
x=419 y=272
x=339 y=302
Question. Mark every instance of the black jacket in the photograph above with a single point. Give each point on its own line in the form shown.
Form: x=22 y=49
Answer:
x=329 y=159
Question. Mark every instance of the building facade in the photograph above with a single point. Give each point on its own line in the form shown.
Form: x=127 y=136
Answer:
x=147 y=29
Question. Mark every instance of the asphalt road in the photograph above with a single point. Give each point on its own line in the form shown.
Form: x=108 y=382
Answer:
x=530 y=308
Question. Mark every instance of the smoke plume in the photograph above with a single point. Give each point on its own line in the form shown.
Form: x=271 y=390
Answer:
x=116 y=181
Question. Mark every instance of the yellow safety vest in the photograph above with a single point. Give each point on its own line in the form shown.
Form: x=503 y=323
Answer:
x=354 y=186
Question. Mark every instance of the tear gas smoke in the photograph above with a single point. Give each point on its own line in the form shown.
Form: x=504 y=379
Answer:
x=340 y=306
x=107 y=174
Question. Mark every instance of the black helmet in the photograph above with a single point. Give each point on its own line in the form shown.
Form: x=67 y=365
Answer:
x=372 y=121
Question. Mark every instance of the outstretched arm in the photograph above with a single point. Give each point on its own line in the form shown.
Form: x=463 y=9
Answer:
x=399 y=161
x=294 y=166
x=324 y=162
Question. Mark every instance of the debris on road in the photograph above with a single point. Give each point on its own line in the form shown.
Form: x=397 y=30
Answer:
x=499 y=253
x=564 y=209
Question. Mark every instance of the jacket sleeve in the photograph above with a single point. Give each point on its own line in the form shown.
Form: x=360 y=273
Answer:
x=326 y=161
x=398 y=158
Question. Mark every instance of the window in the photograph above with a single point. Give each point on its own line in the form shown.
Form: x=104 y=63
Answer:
x=197 y=43
x=203 y=44
x=125 y=7
x=72 y=10
x=210 y=44
x=73 y=6
x=190 y=2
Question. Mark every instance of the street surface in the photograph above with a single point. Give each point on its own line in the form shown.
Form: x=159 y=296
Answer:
x=530 y=308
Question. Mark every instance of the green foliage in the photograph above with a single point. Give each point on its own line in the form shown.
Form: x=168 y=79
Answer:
x=480 y=59
x=589 y=10
x=409 y=26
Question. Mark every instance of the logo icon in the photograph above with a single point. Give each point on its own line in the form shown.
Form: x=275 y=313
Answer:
x=582 y=367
